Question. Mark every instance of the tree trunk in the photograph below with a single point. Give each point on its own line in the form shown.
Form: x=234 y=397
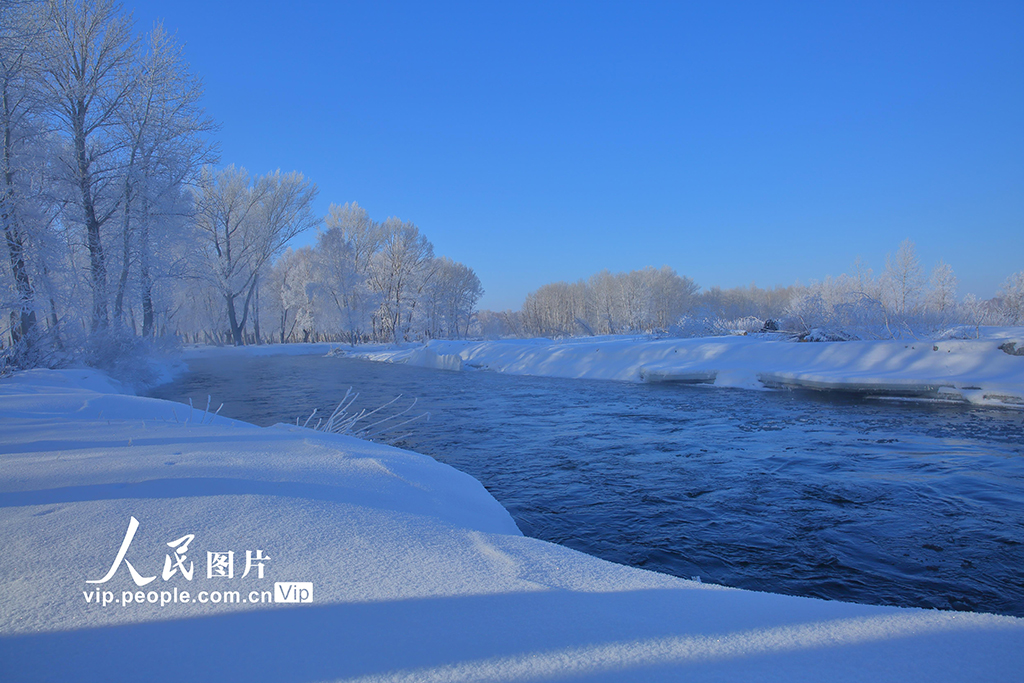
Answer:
x=145 y=281
x=126 y=252
x=256 y=314
x=24 y=326
x=54 y=331
x=97 y=262
x=236 y=330
x=147 y=298
x=245 y=307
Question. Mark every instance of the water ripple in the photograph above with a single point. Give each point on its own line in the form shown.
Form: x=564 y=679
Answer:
x=807 y=494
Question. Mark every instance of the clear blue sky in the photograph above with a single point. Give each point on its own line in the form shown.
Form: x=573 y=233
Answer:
x=736 y=142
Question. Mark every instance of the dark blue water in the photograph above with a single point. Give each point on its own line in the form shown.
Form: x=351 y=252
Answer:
x=914 y=504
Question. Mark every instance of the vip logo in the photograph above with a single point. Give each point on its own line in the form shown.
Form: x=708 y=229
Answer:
x=293 y=591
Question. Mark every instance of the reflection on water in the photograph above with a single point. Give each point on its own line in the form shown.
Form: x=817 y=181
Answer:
x=859 y=500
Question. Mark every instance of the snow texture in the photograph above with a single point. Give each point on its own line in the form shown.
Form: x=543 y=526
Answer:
x=973 y=370
x=418 y=574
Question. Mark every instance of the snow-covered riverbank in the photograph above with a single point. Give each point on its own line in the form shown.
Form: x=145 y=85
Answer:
x=417 y=574
x=974 y=370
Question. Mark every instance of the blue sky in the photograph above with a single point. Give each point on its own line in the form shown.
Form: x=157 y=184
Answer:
x=736 y=142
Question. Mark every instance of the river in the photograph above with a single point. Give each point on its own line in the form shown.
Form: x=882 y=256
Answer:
x=824 y=495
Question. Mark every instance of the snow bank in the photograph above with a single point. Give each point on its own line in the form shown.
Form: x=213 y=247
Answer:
x=416 y=572
x=974 y=370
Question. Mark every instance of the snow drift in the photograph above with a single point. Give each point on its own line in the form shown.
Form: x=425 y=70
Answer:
x=975 y=370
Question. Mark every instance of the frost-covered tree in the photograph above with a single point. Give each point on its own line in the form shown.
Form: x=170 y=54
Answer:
x=840 y=307
x=496 y=324
x=291 y=287
x=449 y=299
x=744 y=302
x=163 y=125
x=974 y=312
x=245 y=223
x=558 y=309
x=343 y=255
x=22 y=130
x=608 y=303
x=397 y=273
x=902 y=283
x=669 y=296
x=89 y=55
x=942 y=293
x=361 y=280
x=1012 y=296
x=606 y=295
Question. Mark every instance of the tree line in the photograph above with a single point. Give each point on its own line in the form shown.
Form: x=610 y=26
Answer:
x=902 y=301
x=362 y=280
x=102 y=135
x=119 y=230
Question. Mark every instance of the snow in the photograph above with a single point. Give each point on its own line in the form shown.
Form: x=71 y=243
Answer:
x=973 y=370
x=417 y=573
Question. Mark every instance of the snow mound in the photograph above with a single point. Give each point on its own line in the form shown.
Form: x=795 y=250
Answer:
x=427 y=358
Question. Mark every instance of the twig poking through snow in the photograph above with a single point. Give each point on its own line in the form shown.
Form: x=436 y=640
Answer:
x=206 y=418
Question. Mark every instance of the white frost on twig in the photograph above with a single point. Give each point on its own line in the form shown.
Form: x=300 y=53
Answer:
x=351 y=423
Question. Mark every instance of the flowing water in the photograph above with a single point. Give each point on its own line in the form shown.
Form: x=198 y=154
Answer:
x=885 y=502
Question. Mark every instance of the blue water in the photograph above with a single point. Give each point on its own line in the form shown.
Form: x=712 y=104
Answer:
x=914 y=504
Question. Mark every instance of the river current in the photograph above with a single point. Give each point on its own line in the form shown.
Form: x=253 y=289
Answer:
x=823 y=495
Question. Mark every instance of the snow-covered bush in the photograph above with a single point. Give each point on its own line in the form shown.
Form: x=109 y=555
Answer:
x=746 y=325
x=134 y=361
x=842 y=307
x=699 y=326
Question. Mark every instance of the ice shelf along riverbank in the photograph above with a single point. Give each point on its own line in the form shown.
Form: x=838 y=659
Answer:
x=143 y=540
x=987 y=370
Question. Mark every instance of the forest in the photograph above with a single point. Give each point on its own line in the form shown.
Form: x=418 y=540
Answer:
x=121 y=230
x=903 y=301
x=125 y=231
